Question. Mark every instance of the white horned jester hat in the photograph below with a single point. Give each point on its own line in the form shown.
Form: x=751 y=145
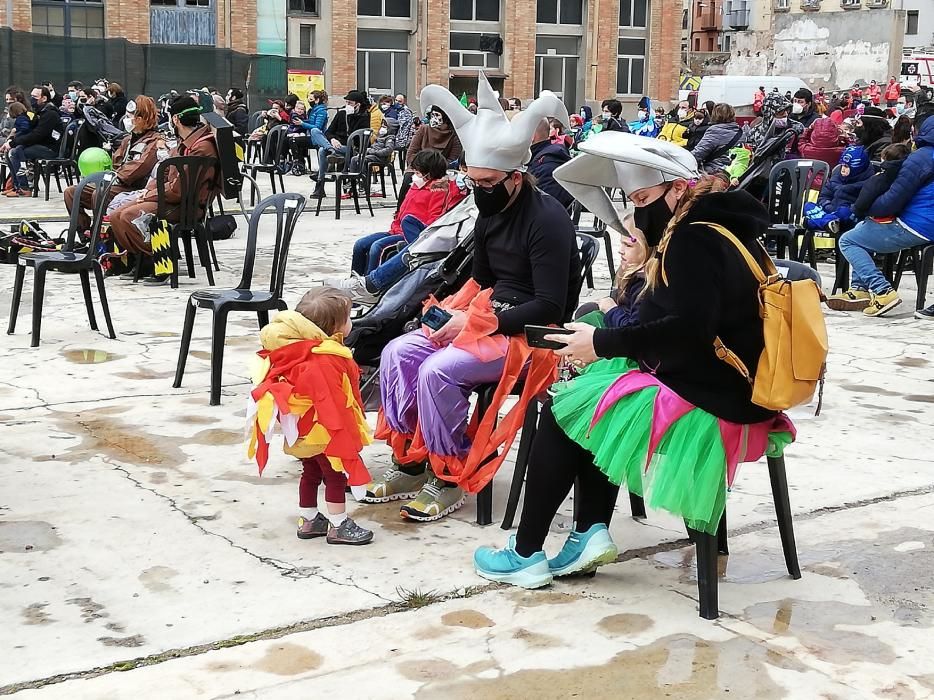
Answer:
x=490 y=140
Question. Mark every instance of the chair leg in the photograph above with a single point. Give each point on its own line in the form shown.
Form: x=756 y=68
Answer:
x=263 y=317
x=138 y=268
x=923 y=273
x=395 y=186
x=705 y=554
x=190 y=311
x=337 y=198
x=356 y=195
x=281 y=183
x=783 y=512
x=189 y=255
x=318 y=205
x=218 y=335
x=204 y=254
x=722 y=544
x=17 y=296
x=217 y=266
x=102 y=293
x=272 y=180
x=529 y=428
x=38 y=293
x=485 y=505
x=369 y=203
x=47 y=181
x=88 y=304
x=608 y=244
x=636 y=505
x=176 y=257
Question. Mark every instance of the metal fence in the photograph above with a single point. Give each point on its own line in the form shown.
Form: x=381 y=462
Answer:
x=27 y=59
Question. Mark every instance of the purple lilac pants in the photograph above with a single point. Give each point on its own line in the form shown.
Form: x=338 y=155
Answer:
x=423 y=384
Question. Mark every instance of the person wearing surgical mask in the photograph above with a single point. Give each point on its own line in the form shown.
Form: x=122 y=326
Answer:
x=134 y=160
x=612 y=111
x=380 y=153
x=436 y=134
x=802 y=108
x=355 y=115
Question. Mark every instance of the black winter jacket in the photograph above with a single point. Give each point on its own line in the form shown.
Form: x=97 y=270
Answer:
x=46 y=131
x=547 y=156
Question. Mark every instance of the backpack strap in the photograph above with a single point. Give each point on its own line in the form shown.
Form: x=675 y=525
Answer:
x=762 y=277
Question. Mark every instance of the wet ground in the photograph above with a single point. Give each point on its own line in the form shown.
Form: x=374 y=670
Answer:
x=142 y=556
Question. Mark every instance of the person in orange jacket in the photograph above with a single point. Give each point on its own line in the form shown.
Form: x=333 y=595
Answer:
x=892 y=92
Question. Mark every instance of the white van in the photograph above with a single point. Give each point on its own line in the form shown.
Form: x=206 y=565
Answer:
x=739 y=90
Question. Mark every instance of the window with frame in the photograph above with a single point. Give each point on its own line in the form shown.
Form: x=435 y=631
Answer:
x=306 y=40
x=465 y=51
x=684 y=19
x=633 y=13
x=382 y=61
x=383 y=8
x=630 y=67
x=911 y=22
x=560 y=12
x=81 y=19
x=304 y=7
x=180 y=3
x=475 y=10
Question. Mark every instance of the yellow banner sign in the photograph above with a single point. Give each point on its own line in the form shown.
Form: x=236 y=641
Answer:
x=304 y=82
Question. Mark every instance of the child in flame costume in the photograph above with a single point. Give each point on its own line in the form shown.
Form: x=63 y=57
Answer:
x=307 y=384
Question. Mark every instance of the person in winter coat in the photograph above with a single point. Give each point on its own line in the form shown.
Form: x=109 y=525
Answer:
x=713 y=151
x=834 y=208
x=774 y=121
x=546 y=156
x=822 y=141
x=432 y=194
x=903 y=217
x=385 y=144
x=644 y=125
x=613 y=116
x=802 y=108
x=308 y=127
x=354 y=116
x=697 y=129
x=893 y=157
x=436 y=134
x=406 y=121
x=892 y=92
x=678 y=124
x=586 y=115
x=873 y=131
x=237 y=113
x=41 y=141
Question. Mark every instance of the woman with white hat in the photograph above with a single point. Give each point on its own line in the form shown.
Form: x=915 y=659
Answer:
x=525 y=261
x=660 y=413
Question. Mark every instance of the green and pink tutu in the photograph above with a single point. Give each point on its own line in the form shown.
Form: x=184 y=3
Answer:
x=678 y=457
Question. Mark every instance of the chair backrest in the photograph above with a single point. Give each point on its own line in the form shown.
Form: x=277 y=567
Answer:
x=589 y=248
x=255 y=120
x=288 y=206
x=358 y=143
x=276 y=143
x=191 y=171
x=101 y=182
x=68 y=140
x=789 y=184
x=575 y=212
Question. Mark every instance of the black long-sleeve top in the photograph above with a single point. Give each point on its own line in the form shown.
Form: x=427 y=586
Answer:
x=710 y=292
x=528 y=255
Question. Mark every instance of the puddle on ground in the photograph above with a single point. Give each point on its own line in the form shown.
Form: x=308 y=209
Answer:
x=198 y=420
x=201 y=354
x=35 y=614
x=90 y=610
x=137 y=640
x=102 y=436
x=26 y=536
x=156 y=578
x=912 y=362
x=680 y=666
x=243 y=341
x=431 y=632
x=288 y=660
x=163 y=334
x=471 y=619
x=897 y=418
x=143 y=372
x=386 y=515
x=864 y=389
x=85 y=356
x=625 y=624
x=427 y=670
x=536 y=640
x=158 y=477
x=532 y=599
x=920 y=398
x=216 y=436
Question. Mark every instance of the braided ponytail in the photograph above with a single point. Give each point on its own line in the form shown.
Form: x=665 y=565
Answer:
x=653 y=269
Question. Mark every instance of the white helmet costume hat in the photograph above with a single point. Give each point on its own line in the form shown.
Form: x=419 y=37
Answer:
x=628 y=161
x=489 y=138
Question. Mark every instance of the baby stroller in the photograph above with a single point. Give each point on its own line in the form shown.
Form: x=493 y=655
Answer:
x=440 y=262
x=756 y=178
x=100 y=131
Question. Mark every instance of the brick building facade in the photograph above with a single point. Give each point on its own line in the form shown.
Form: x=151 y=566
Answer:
x=585 y=50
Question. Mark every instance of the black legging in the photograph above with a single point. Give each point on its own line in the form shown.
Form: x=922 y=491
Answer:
x=555 y=462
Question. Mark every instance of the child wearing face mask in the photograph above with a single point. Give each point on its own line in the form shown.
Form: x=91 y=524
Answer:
x=382 y=149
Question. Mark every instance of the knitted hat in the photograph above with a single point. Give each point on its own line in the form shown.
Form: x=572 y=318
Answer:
x=489 y=137
x=856 y=158
x=630 y=162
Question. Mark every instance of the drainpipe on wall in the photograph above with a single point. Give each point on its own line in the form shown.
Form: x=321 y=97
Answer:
x=594 y=43
x=9 y=13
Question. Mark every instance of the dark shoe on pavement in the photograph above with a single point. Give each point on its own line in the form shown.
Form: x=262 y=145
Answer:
x=319 y=191
x=309 y=529
x=157 y=280
x=348 y=532
x=925 y=314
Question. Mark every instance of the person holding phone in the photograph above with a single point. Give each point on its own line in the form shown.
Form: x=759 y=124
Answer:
x=675 y=414
x=525 y=263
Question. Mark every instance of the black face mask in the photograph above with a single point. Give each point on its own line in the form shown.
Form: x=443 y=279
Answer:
x=492 y=202
x=653 y=218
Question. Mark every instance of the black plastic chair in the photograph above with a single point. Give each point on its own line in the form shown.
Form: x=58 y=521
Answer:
x=790 y=182
x=277 y=144
x=380 y=168
x=589 y=249
x=355 y=172
x=64 y=164
x=920 y=260
x=67 y=261
x=598 y=230
x=253 y=148
x=288 y=207
x=189 y=214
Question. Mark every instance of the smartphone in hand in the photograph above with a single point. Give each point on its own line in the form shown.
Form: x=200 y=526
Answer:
x=435 y=318
x=535 y=337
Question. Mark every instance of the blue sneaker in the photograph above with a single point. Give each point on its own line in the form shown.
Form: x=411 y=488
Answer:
x=584 y=552
x=506 y=566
